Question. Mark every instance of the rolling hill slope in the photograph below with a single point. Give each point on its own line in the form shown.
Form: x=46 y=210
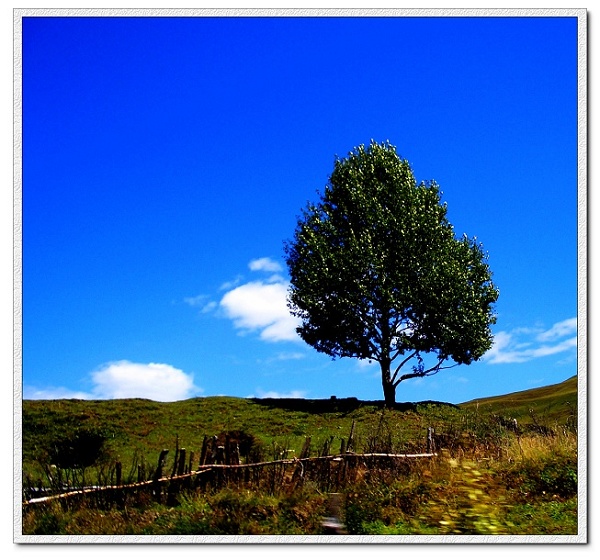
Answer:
x=139 y=427
x=550 y=404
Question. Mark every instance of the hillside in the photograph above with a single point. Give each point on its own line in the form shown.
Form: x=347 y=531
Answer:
x=137 y=429
x=549 y=404
x=524 y=483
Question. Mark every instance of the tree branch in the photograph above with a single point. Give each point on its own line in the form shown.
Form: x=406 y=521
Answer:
x=427 y=373
x=375 y=350
x=402 y=363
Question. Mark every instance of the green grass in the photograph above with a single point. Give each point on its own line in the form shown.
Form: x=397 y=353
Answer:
x=486 y=480
x=139 y=429
x=531 y=493
x=552 y=404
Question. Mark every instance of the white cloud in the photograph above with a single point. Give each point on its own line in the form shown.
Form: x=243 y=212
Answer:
x=282 y=357
x=128 y=380
x=195 y=301
x=231 y=284
x=261 y=306
x=203 y=302
x=210 y=306
x=258 y=306
x=559 y=330
x=276 y=278
x=53 y=393
x=285 y=356
x=277 y=395
x=265 y=264
x=158 y=382
x=523 y=345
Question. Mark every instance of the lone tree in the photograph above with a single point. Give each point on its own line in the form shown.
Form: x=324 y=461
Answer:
x=378 y=274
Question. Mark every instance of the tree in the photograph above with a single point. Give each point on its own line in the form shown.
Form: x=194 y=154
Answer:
x=376 y=273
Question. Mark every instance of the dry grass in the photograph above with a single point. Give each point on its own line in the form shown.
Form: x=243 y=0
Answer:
x=533 y=447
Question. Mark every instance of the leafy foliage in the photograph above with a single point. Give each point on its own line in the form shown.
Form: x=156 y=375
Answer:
x=378 y=274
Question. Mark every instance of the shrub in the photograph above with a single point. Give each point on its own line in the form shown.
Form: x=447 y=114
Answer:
x=79 y=449
x=369 y=508
x=555 y=476
x=542 y=467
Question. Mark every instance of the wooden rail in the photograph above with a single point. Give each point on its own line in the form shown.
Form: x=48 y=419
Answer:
x=216 y=467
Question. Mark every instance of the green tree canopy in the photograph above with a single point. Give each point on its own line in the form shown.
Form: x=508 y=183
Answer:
x=376 y=272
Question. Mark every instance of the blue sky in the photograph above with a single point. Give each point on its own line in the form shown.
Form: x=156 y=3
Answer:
x=165 y=161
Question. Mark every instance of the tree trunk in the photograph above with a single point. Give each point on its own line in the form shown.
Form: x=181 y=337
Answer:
x=389 y=390
x=389 y=394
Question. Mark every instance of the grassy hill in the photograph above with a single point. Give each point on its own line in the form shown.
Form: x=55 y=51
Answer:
x=487 y=478
x=550 y=404
x=138 y=429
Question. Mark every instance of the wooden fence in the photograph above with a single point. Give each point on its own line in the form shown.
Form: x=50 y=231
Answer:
x=219 y=464
x=333 y=471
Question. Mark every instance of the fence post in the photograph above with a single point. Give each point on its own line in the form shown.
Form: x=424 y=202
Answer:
x=203 y=451
x=430 y=442
x=181 y=464
x=176 y=459
x=235 y=454
x=159 y=472
x=350 y=444
x=214 y=450
x=118 y=468
x=305 y=449
x=161 y=463
x=227 y=450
